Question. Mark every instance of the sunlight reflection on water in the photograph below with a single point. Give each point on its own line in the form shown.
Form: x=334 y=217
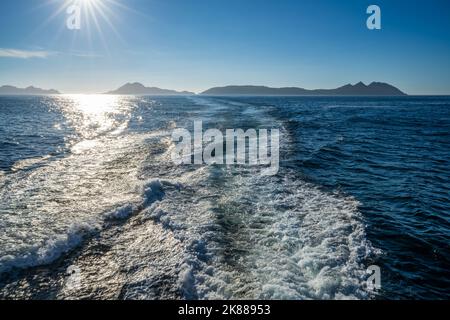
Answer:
x=93 y=115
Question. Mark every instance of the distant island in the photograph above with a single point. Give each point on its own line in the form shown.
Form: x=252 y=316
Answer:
x=139 y=89
x=136 y=88
x=359 y=89
x=11 y=90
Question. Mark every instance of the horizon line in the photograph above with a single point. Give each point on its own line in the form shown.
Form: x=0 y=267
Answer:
x=179 y=92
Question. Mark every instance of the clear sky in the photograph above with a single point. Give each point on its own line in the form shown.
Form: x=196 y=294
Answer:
x=197 y=44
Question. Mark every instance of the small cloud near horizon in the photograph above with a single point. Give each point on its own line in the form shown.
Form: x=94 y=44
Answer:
x=42 y=54
x=23 y=54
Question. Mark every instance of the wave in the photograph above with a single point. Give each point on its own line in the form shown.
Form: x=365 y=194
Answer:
x=29 y=163
x=265 y=238
x=58 y=245
x=50 y=251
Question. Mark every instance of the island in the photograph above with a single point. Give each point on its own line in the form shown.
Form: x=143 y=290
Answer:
x=11 y=90
x=137 y=88
x=359 y=89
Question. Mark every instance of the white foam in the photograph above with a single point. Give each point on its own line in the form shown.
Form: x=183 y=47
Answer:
x=49 y=250
x=293 y=241
x=122 y=212
x=27 y=163
x=243 y=235
x=52 y=248
x=48 y=211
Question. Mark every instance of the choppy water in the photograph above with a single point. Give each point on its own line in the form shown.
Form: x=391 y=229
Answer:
x=87 y=184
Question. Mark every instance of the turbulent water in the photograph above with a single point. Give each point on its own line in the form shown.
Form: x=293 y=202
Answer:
x=92 y=207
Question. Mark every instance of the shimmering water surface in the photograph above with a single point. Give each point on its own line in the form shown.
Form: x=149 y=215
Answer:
x=87 y=184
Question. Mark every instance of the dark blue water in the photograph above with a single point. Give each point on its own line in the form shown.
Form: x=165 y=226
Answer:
x=29 y=128
x=393 y=155
x=67 y=161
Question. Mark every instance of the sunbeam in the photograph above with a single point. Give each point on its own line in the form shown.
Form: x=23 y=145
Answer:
x=95 y=15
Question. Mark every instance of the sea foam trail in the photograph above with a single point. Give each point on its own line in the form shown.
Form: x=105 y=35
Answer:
x=69 y=199
x=247 y=236
x=50 y=250
x=252 y=237
x=60 y=244
x=28 y=163
x=238 y=235
x=264 y=238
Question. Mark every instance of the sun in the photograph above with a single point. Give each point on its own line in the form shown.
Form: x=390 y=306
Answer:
x=98 y=13
x=97 y=17
x=94 y=9
x=92 y=3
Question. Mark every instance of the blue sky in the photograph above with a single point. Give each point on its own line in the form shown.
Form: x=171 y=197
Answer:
x=197 y=44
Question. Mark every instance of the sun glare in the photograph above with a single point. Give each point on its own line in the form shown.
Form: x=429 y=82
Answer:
x=92 y=114
x=94 y=103
x=98 y=17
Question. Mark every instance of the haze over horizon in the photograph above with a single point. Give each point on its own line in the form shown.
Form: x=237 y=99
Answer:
x=199 y=45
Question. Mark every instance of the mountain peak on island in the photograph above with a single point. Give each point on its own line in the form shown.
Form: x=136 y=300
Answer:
x=31 y=90
x=359 y=89
x=137 y=88
x=373 y=89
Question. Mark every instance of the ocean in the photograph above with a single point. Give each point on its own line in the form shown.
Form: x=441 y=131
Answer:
x=92 y=207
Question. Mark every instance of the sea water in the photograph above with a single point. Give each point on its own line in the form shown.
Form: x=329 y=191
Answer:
x=87 y=184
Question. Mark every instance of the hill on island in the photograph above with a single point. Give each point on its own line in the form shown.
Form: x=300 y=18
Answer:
x=139 y=89
x=11 y=90
x=359 y=89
